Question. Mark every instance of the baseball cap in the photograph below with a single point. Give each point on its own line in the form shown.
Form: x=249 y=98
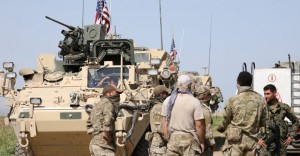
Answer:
x=202 y=89
x=184 y=80
x=110 y=88
x=160 y=88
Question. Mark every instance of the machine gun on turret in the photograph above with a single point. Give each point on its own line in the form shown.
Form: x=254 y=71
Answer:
x=68 y=26
x=75 y=47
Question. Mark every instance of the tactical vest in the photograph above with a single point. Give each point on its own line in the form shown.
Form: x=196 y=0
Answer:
x=277 y=118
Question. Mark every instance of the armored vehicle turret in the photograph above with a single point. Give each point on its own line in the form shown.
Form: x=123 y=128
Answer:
x=50 y=111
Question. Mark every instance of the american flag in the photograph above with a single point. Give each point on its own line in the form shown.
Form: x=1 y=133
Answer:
x=173 y=51
x=102 y=15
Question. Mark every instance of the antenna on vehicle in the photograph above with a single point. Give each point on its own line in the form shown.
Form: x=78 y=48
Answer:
x=161 y=37
x=289 y=57
x=209 y=45
x=82 y=22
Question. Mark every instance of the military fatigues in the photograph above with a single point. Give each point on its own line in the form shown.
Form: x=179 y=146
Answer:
x=157 y=144
x=102 y=119
x=275 y=116
x=209 y=137
x=243 y=116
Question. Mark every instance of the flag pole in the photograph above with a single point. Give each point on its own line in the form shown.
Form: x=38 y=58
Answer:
x=161 y=37
x=110 y=16
x=180 y=46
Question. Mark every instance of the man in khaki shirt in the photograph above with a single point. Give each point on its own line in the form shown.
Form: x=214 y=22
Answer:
x=183 y=123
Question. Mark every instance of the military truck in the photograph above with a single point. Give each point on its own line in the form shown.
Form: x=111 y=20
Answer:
x=206 y=80
x=49 y=113
x=285 y=76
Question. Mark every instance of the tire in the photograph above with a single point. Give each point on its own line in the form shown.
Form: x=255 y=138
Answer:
x=19 y=151
x=141 y=148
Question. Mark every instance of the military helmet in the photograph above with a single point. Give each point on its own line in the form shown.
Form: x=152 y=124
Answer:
x=202 y=89
x=159 y=89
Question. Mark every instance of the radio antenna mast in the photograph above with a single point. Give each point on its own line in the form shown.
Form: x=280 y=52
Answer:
x=209 y=45
x=161 y=37
x=82 y=22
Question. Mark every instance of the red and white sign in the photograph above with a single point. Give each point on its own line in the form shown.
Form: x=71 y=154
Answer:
x=280 y=77
x=272 y=78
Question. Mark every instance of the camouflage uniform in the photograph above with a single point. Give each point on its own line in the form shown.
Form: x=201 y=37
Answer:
x=243 y=116
x=275 y=116
x=209 y=137
x=102 y=119
x=157 y=144
x=203 y=94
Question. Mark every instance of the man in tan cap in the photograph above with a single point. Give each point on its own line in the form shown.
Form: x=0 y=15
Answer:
x=183 y=121
x=157 y=145
x=202 y=93
x=102 y=120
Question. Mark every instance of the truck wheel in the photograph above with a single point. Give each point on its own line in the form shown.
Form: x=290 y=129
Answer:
x=141 y=148
x=19 y=151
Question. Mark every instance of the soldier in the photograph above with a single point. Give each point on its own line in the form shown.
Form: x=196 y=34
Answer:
x=202 y=93
x=102 y=119
x=183 y=123
x=157 y=144
x=243 y=116
x=277 y=111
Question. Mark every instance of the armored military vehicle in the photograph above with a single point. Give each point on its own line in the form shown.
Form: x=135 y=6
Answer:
x=206 y=80
x=50 y=111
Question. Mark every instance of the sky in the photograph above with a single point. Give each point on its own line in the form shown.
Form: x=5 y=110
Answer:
x=263 y=32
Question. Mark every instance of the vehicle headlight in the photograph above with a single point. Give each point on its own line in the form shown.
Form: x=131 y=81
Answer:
x=8 y=65
x=11 y=75
x=36 y=101
x=165 y=74
x=155 y=61
x=152 y=72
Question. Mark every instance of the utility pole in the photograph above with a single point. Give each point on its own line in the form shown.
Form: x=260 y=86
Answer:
x=161 y=37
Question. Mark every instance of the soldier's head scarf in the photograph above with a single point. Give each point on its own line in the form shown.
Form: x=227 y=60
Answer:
x=183 y=83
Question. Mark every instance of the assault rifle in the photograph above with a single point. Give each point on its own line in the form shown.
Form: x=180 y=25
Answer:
x=273 y=139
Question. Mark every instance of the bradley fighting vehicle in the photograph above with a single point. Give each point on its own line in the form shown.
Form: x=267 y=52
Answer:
x=50 y=111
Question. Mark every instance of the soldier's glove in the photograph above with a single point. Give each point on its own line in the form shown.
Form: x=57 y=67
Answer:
x=220 y=129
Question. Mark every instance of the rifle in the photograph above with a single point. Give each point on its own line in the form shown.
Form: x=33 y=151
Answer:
x=273 y=139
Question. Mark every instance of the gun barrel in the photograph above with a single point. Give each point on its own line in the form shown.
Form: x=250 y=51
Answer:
x=68 y=26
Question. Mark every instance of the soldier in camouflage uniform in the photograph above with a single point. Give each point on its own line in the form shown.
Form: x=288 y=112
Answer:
x=202 y=93
x=277 y=111
x=243 y=116
x=157 y=144
x=102 y=120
